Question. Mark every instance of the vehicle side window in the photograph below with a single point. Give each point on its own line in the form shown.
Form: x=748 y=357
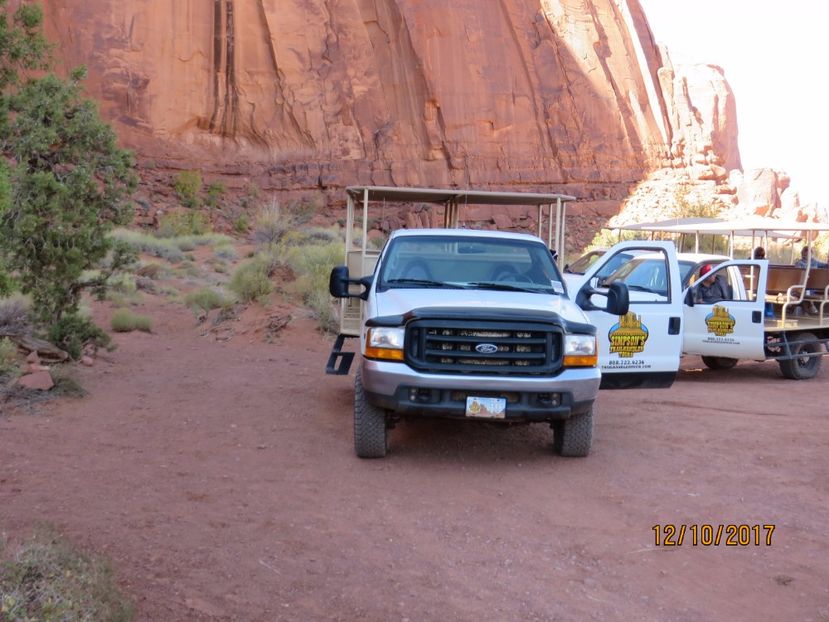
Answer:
x=715 y=286
x=646 y=275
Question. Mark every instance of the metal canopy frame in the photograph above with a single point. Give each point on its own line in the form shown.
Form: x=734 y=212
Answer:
x=452 y=199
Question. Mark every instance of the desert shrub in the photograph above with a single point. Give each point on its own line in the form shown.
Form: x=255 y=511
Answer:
x=313 y=265
x=251 y=281
x=124 y=283
x=202 y=239
x=150 y=270
x=188 y=185
x=49 y=580
x=125 y=321
x=73 y=332
x=8 y=356
x=241 y=224
x=225 y=252
x=251 y=197
x=215 y=192
x=149 y=244
x=206 y=299
x=270 y=225
x=183 y=223
x=66 y=382
x=14 y=314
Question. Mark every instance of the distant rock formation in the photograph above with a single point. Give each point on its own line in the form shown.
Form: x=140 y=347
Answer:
x=318 y=94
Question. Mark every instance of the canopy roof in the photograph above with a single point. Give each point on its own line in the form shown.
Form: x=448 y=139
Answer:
x=748 y=227
x=460 y=196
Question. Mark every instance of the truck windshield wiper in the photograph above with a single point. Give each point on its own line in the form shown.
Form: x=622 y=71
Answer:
x=507 y=287
x=421 y=283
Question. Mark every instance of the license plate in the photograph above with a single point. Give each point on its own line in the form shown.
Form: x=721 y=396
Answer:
x=486 y=407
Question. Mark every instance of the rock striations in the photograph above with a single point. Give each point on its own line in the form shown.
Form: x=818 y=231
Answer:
x=569 y=95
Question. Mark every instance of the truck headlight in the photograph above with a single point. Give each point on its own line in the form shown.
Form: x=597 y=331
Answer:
x=580 y=351
x=385 y=343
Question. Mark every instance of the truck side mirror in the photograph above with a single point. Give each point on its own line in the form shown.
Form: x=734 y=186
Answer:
x=338 y=284
x=689 y=297
x=618 y=298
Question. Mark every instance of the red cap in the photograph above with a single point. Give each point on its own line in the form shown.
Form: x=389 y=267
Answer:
x=705 y=269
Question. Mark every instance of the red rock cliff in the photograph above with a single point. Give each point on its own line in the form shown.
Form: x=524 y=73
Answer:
x=555 y=94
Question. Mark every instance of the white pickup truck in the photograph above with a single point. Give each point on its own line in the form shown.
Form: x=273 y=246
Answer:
x=479 y=325
x=771 y=312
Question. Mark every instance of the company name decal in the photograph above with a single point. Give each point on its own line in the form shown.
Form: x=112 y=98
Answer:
x=628 y=337
x=720 y=321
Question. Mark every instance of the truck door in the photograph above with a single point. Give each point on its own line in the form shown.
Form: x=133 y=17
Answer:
x=640 y=349
x=731 y=327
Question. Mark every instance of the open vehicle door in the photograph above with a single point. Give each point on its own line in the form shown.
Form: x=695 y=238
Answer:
x=640 y=349
x=731 y=328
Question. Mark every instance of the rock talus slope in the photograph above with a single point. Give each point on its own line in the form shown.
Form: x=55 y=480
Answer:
x=557 y=94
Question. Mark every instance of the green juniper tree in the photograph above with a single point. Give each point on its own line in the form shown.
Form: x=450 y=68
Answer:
x=64 y=183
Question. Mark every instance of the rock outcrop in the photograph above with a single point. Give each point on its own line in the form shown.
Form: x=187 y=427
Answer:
x=299 y=95
x=308 y=93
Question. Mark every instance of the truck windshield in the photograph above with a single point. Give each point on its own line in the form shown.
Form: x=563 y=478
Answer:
x=467 y=262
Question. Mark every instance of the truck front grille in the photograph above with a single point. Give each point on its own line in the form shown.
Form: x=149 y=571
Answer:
x=453 y=346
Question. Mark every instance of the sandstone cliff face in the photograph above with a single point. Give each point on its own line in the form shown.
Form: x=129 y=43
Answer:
x=556 y=94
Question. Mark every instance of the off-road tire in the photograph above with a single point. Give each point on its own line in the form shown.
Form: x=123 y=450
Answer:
x=371 y=434
x=718 y=362
x=803 y=368
x=574 y=436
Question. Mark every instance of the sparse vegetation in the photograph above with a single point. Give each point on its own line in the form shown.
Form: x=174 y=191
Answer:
x=313 y=264
x=14 y=314
x=689 y=205
x=251 y=281
x=183 y=223
x=125 y=321
x=206 y=299
x=226 y=252
x=73 y=332
x=48 y=580
x=270 y=226
x=149 y=244
x=215 y=192
x=8 y=356
x=188 y=185
x=66 y=382
x=241 y=224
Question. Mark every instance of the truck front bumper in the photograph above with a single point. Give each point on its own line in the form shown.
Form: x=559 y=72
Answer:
x=399 y=388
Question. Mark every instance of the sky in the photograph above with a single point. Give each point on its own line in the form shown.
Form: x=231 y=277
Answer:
x=773 y=54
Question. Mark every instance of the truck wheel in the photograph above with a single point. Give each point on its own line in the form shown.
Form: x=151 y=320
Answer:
x=803 y=368
x=719 y=362
x=574 y=436
x=371 y=435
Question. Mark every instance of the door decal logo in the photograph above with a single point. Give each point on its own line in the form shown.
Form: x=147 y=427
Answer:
x=720 y=321
x=628 y=337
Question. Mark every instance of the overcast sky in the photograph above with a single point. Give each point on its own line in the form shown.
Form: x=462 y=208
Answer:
x=774 y=56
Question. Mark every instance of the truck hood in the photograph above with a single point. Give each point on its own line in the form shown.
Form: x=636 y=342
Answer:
x=400 y=301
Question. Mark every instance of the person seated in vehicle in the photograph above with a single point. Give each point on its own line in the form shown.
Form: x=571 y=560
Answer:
x=713 y=287
x=804 y=260
x=759 y=253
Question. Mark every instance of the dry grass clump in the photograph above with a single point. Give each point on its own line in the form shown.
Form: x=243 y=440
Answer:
x=206 y=299
x=251 y=281
x=48 y=580
x=125 y=321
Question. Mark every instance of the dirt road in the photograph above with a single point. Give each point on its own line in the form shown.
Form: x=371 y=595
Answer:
x=221 y=481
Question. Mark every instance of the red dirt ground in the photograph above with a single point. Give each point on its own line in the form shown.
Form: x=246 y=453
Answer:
x=220 y=479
